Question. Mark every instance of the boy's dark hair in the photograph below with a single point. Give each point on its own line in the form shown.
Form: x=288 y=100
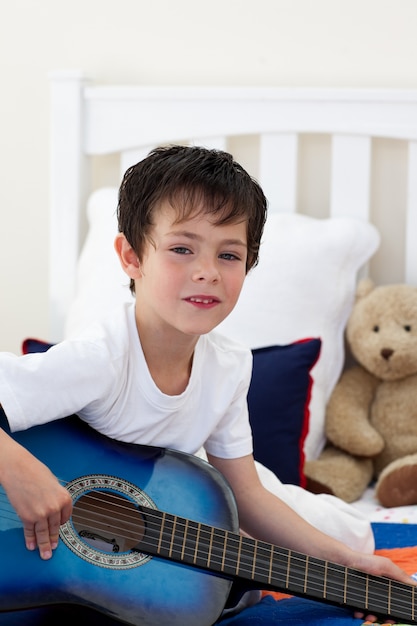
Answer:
x=190 y=178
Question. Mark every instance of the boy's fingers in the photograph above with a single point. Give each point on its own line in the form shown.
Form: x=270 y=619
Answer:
x=66 y=511
x=30 y=537
x=43 y=535
x=54 y=532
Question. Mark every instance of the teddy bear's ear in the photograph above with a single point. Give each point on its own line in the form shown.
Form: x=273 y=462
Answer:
x=365 y=286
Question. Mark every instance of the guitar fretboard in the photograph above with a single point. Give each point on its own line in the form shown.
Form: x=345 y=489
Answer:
x=272 y=567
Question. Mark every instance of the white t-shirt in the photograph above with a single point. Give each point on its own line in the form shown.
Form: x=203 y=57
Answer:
x=102 y=376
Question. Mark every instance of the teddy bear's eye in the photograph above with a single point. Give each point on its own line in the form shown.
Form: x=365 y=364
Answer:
x=407 y=327
x=376 y=329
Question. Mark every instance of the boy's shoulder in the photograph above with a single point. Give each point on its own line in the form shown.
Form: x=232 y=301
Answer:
x=223 y=344
x=223 y=361
x=111 y=334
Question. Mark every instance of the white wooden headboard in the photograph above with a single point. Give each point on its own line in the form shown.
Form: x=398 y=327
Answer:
x=89 y=120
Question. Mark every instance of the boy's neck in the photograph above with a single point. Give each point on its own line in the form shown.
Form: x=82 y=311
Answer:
x=169 y=362
x=171 y=381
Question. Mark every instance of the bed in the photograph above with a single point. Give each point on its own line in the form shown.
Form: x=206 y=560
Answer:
x=322 y=157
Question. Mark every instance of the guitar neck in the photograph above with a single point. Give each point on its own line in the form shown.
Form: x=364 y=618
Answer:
x=272 y=567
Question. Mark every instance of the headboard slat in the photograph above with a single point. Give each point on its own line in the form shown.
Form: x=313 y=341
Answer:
x=350 y=176
x=278 y=161
x=69 y=167
x=411 y=217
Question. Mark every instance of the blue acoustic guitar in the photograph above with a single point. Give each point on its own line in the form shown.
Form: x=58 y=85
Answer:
x=153 y=540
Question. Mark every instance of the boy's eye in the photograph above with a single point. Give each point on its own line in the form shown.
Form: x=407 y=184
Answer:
x=181 y=250
x=229 y=256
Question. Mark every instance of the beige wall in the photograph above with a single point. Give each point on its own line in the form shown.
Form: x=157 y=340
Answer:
x=347 y=43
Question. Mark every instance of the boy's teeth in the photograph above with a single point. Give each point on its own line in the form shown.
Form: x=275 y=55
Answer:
x=204 y=301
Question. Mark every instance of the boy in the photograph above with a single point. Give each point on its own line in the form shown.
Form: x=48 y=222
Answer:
x=190 y=223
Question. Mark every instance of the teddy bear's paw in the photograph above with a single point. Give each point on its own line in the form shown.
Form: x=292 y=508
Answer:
x=397 y=484
x=365 y=441
x=339 y=474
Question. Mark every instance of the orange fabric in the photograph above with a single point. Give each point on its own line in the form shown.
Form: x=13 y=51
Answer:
x=276 y=594
x=406 y=558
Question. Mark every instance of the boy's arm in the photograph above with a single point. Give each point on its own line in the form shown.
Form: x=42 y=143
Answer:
x=35 y=493
x=264 y=516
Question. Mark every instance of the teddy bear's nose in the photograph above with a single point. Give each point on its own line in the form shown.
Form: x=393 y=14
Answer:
x=386 y=353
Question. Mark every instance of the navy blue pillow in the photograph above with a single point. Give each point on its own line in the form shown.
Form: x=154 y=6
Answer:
x=35 y=345
x=278 y=401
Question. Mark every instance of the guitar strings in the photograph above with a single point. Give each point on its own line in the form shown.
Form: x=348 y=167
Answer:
x=6 y=509
x=314 y=582
x=246 y=549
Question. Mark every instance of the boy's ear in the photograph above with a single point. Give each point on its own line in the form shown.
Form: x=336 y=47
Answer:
x=127 y=257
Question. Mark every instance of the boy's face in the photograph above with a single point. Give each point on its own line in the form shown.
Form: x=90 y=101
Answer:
x=191 y=272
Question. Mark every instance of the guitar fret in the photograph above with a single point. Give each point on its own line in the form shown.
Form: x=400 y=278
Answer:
x=261 y=570
x=226 y=537
x=238 y=555
x=247 y=558
x=389 y=596
x=287 y=579
x=231 y=558
x=210 y=547
x=335 y=583
x=165 y=538
x=306 y=576
x=378 y=595
x=218 y=549
x=184 y=543
x=296 y=572
x=317 y=577
x=367 y=592
x=190 y=542
x=172 y=537
x=178 y=542
x=197 y=539
x=161 y=532
x=255 y=551
x=402 y=601
x=271 y=560
x=345 y=587
x=356 y=588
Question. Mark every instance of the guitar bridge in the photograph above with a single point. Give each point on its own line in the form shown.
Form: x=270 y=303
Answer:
x=99 y=541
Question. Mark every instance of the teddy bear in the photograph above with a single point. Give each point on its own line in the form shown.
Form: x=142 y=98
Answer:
x=371 y=416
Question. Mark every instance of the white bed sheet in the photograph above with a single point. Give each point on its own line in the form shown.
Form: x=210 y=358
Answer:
x=369 y=506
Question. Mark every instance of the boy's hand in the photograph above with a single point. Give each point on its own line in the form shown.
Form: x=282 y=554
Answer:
x=35 y=493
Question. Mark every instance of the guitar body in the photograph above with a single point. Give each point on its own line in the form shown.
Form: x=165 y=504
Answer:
x=95 y=570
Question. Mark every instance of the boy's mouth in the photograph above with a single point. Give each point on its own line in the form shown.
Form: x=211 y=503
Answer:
x=203 y=300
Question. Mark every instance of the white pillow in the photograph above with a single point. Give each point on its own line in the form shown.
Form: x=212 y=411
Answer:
x=304 y=286
x=101 y=282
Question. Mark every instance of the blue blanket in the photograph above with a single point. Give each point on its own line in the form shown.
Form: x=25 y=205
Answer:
x=292 y=612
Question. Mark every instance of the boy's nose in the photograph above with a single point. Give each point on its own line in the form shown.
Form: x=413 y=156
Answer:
x=206 y=271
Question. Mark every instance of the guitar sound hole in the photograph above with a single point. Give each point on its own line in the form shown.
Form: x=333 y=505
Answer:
x=108 y=521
